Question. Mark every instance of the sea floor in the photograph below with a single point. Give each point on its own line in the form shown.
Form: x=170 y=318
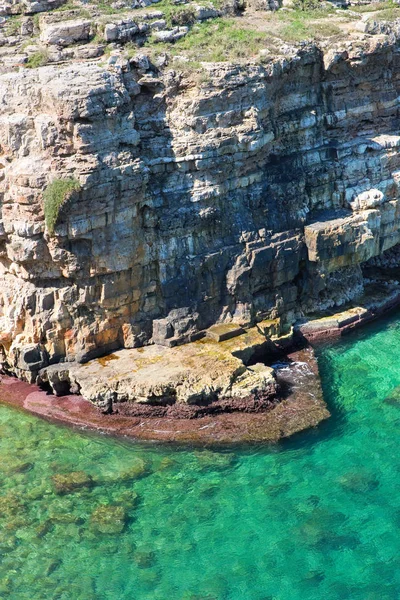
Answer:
x=313 y=518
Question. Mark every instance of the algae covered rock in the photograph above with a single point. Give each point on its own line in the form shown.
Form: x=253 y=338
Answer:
x=128 y=499
x=108 y=519
x=17 y=468
x=71 y=482
x=8 y=542
x=44 y=528
x=10 y=505
x=393 y=398
x=213 y=461
x=138 y=469
x=166 y=463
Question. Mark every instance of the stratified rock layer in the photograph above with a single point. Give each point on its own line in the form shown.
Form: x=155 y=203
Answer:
x=256 y=195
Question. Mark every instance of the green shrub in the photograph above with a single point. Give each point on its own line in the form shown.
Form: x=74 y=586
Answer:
x=302 y=29
x=55 y=196
x=389 y=14
x=37 y=59
x=184 y=16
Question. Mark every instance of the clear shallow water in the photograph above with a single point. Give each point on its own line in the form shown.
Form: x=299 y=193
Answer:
x=317 y=517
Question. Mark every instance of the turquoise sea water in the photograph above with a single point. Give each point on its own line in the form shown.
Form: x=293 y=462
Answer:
x=317 y=517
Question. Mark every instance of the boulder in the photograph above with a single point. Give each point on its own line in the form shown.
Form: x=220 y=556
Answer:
x=257 y=380
x=71 y=482
x=66 y=33
x=123 y=31
x=170 y=35
x=108 y=519
x=206 y=12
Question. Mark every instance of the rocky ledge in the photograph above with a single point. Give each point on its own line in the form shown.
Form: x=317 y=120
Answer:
x=298 y=406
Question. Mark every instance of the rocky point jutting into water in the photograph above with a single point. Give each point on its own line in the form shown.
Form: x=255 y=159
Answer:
x=250 y=196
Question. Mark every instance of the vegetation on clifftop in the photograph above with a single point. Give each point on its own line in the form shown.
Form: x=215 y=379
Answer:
x=55 y=196
x=184 y=32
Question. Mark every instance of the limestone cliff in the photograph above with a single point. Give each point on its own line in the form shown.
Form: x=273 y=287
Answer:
x=257 y=192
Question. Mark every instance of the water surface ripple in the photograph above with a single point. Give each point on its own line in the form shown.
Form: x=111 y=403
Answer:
x=314 y=518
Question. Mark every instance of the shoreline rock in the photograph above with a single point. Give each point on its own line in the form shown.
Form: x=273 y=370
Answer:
x=197 y=373
x=377 y=300
x=302 y=408
x=290 y=401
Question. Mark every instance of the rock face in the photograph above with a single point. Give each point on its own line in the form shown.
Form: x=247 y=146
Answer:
x=257 y=194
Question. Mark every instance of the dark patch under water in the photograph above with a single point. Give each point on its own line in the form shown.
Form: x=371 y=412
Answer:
x=313 y=518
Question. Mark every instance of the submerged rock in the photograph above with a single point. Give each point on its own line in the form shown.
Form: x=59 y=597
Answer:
x=208 y=460
x=138 y=469
x=52 y=566
x=144 y=558
x=394 y=397
x=359 y=482
x=65 y=517
x=44 y=528
x=166 y=463
x=10 y=504
x=71 y=482
x=8 y=542
x=108 y=519
x=128 y=499
x=17 y=467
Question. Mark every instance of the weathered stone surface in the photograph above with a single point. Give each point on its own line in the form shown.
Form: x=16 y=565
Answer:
x=344 y=240
x=205 y=12
x=224 y=331
x=257 y=379
x=122 y=31
x=36 y=6
x=377 y=298
x=197 y=372
x=170 y=35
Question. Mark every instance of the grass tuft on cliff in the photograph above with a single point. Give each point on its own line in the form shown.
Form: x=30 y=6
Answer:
x=55 y=196
x=37 y=59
